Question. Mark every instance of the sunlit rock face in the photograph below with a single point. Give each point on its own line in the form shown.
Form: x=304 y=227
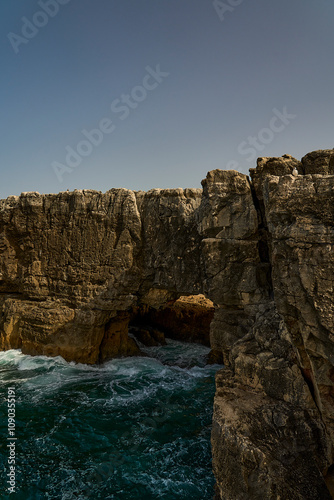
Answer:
x=77 y=266
x=73 y=265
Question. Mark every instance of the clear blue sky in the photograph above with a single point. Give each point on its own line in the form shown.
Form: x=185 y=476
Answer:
x=228 y=69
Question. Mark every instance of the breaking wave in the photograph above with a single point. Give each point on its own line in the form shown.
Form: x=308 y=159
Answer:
x=132 y=428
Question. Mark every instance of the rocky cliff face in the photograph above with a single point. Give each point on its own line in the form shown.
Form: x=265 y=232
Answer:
x=74 y=264
x=74 y=267
x=272 y=432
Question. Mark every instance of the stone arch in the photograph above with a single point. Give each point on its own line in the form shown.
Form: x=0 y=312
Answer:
x=80 y=261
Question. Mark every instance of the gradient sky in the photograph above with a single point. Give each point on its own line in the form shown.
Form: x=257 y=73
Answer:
x=226 y=75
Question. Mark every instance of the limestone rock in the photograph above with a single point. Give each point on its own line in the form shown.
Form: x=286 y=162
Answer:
x=76 y=266
x=300 y=220
x=72 y=264
x=319 y=162
x=115 y=340
x=268 y=438
x=283 y=165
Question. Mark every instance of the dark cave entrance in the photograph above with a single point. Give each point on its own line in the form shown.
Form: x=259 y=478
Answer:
x=186 y=319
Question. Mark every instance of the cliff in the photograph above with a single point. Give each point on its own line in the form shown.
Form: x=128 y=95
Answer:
x=75 y=266
x=272 y=429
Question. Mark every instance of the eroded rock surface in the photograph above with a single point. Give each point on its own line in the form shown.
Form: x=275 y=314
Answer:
x=273 y=415
x=73 y=264
x=76 y=266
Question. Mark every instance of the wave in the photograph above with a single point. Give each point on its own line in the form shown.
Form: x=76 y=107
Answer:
x=131 y=428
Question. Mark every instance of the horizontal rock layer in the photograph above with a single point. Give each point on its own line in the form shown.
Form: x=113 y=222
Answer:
x=76 y=266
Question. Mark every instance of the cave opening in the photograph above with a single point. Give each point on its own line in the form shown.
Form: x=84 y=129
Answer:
x=186 y=319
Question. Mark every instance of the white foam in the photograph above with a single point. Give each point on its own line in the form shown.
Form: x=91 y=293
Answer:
x=35 y=362
x=128 y=380
x=13 y=355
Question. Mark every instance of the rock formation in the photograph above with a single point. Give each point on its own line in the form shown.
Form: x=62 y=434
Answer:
x=75 y=266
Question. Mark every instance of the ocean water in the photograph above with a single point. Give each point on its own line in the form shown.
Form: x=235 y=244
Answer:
x=133 y=428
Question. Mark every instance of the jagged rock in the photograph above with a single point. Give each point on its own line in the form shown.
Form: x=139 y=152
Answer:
x=74 y=267
x=170 y=241
x=281 y=365
x=283 y=165
x=116 y=341
x=301 y=224
x=268 y=438
x=319 y=162
x=235 y=277
x=86 y=258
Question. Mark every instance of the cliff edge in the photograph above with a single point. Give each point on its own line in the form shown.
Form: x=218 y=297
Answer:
x=75 y=265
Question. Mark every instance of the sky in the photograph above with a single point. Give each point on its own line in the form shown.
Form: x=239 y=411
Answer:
x=144 y=93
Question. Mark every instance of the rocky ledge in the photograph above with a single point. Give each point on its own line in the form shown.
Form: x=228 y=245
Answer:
x=76 y=267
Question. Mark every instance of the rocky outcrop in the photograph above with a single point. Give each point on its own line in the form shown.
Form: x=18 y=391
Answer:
x=301 y=226
x=319 y=162
x=75 y=267
x=272 y=432
x=269 y=438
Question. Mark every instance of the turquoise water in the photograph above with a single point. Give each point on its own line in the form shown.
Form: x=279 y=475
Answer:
x=133 y=428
